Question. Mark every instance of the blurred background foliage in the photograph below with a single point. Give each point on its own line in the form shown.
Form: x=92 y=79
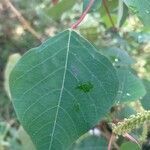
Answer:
x=25 y=24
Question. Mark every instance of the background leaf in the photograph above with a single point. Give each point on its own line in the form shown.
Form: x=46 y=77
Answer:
x=141 y=8
x=57 y=10
x=131 y=87
x=122 y=13
x=146 y=99
x=128 y=145
x=95 y=6
x=124 y=111
x=62 y=89
x=91 y=142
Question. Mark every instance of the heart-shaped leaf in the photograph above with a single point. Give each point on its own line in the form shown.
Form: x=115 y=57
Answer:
x=61 y=89
x=122 y=13
x=123 y=111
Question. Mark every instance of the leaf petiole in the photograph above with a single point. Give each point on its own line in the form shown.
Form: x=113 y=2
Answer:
x=75 y=25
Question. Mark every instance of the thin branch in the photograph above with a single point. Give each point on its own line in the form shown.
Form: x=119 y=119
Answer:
x=105 y=131
x=23 y=21
x=131 y=138
x=75 y=25
x=55 y=2
x=108 y=13
x=110 y=141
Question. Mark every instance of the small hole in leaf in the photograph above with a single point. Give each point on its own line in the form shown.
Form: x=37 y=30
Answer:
x=85 y=87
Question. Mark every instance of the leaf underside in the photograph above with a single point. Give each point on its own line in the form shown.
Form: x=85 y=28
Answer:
x=61 y=89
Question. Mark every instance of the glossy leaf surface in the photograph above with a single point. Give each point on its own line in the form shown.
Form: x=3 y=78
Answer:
x=61 y=89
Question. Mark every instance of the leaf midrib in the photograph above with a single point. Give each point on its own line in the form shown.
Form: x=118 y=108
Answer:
x=62 y=87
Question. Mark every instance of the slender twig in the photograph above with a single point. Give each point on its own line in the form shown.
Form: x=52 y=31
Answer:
x=75 y=25
x=22 y=20
x=131 y=138
x=110 y=138
x=110 y=141
x=55 y=2
x=108 y=13
x=104 y=128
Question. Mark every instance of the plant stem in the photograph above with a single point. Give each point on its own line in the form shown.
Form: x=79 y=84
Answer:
x=108 y=13
x=55 y=2
x=110 y=141
x=75 y=25
x=131 y=138
x=23 y=21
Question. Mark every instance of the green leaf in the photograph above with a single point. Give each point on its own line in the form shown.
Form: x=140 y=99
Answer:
x=146 y=99
x=117 y=56
x=112 y=6
x=141 y=8
x=124 y=111
x=57 y=10
x=61 y=89
x=129 y=145
x=91 y=33
x=122 y=13
x=92 y=143
x=96 y=5
x=131 y=87
x=140 y=37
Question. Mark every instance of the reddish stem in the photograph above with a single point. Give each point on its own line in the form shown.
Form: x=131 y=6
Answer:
x=75 y=25
x=55 y=2
x=108 y=13
x=110 y=141
x=131 y=138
